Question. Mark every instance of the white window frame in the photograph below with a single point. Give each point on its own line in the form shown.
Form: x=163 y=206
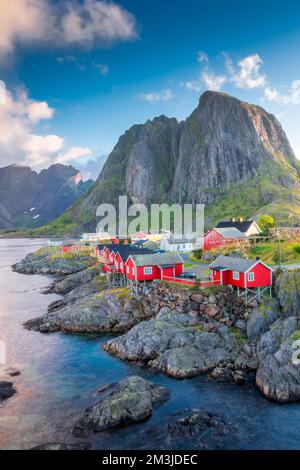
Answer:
x=133 y=271
x=251 y=276
x=128 y=269
x=121 y=266
x=236 y=275
x=148 y=270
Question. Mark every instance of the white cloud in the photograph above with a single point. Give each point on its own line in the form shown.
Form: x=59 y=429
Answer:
x=38 y=110
x=86 y=24
x=291 y=97
x=194 y=85
x=281 y=115
x=39 y=149
x=248 y=74
x=103 y=68
x=212 y=81
x=71 y=59
x=154 y=96
x=207 y=80
x=73 y=153
x=19 y=140
x=202 y=57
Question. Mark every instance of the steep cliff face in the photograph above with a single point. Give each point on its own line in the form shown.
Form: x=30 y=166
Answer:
x=230 y=155
x=29 y=199
x=226 y=141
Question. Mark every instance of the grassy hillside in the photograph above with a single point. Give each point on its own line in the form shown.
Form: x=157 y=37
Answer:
x=272 y=253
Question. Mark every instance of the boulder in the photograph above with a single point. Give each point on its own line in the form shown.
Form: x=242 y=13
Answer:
x=204 y=429
x=278 y=374
x=78 y=279
x=63 y=446
x=287 y=289
x=174 y=349
x=6 y=390
x=106 y=311
x=260 y=320
x=49 y=262
x=132 y=400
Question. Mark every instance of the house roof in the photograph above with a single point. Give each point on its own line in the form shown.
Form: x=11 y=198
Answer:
x=124 y=250
x=233 y=263
x=243 y=225
x=230 y=232
x=156 y=259
x=124 y=254
x=178 y=240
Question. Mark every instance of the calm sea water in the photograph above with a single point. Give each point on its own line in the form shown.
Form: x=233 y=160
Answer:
x=60 y=376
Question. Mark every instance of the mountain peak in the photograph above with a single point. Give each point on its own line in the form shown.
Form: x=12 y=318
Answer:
x=232 y=156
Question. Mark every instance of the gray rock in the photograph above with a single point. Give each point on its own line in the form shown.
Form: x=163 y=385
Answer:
x=63 y=446
x=178 y=351
x=132 y=400
x=241 y=325
x=46 y=262
x=204 y=429
x=278 y=377
x=77 y=279
x=106 y=311
x=260 y=319
x=287 y=288
x=6 y=390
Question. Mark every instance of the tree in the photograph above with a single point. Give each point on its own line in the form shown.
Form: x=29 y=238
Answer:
x=265 y=222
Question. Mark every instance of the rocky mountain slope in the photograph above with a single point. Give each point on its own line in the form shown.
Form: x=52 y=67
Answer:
x=233 y=156
x=29 y=199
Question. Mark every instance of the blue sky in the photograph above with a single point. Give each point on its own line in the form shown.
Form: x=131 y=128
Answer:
x=86 y=85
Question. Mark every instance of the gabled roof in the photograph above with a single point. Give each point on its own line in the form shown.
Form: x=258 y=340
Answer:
x=100 y=246
x=178 y=240
x=233 y=263
x=124 y=250
x=132 y=250
x=230 y=232
x=243 y=225
x=156 y=259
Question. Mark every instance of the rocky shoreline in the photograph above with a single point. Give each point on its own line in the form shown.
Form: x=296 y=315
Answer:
x=178 y=332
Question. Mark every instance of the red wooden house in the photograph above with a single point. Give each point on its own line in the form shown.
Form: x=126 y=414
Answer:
x=217 y=237
x=150 y=267
x=67 y=248
x=103 y=251
x=123 y=252
x=242 y=273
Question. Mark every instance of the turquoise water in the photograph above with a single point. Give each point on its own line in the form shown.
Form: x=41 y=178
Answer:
x=60 y=376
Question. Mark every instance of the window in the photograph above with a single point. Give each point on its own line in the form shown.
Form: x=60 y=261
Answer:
x=128 y=269
x=236 y=275
x=133 y=271
x=148 y=270
x=250 y=277
x=121 y=266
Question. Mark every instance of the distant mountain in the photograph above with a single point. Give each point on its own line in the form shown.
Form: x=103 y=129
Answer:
x=29 y=199
x=91 y=169
x=231 y=155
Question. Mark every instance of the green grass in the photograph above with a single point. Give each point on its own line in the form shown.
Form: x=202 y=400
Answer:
x=272 y=253
x=188 y=265
x=296 y=335
x=239 y=336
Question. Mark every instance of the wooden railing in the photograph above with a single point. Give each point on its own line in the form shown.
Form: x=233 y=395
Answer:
x=190 y=282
